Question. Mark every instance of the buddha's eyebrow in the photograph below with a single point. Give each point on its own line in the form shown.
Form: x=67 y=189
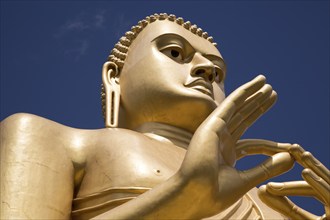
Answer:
x=166 y=38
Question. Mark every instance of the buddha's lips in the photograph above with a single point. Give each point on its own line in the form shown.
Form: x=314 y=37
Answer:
x=201 y=86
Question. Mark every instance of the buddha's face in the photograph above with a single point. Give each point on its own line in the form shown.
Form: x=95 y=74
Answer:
x=171 y=76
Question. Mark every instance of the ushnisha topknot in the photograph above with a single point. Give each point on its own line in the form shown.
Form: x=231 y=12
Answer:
x=119 y=53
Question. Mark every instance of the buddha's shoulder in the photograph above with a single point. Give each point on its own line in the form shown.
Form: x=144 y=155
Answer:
x=25 y=123
x=30 y=122
x=28 y=127
x=27 y=119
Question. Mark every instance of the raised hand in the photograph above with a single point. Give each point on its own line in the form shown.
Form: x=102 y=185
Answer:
x=207 y=183
x=212 y=152
x=316 y=184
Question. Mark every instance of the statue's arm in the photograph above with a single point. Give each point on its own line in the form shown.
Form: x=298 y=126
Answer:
x=36 y=172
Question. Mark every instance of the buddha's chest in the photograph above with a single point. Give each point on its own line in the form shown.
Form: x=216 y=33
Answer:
x=135 y=164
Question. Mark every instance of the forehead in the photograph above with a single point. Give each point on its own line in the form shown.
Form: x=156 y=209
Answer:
x=163 y=27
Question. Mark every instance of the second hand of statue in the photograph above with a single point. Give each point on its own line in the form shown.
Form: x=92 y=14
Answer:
x=316 y=184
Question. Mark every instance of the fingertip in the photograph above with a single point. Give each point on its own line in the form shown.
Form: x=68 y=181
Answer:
x=274 y=96
x=306 y=155
x=286 y=156
x=308 y=174
x=296 y=148
x=275 y=186
x=296 y=145
x=262 y=189
x=262 y=193
x=274 y=93
x=268 y=87
x=261 y=77
x=306 y=171
x=284 y=161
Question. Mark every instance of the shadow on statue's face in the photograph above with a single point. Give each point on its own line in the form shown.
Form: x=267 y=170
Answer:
x=171 y=76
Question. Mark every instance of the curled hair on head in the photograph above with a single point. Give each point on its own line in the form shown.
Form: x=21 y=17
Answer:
x=119 y=53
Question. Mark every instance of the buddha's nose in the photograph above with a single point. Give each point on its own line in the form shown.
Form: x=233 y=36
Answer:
x=203 y=68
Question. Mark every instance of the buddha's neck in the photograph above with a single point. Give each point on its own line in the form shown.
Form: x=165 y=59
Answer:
x=166 y=133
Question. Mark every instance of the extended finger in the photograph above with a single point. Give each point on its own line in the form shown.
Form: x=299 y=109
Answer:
x=318 y=184
x=316 y=166
x=293 y=188
x=307 y=160
x=254 y=116
x=284 y=205
x=249 y=106
x=235 y=100
x=273 y=166
x=257 y=146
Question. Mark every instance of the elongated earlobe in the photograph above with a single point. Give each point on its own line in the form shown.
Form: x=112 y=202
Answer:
x=110 y=79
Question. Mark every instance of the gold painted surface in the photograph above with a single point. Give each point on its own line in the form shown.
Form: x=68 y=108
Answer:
x=170 y=144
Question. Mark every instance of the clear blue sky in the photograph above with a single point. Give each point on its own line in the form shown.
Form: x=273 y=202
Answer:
x=52 y=54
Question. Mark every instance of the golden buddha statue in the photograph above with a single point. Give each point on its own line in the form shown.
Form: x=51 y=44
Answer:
x=169 y=147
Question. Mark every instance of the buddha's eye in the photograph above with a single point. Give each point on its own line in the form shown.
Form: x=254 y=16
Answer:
x=174 y=52
x=219 y=75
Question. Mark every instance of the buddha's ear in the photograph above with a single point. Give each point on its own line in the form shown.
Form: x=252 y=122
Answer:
x=110 y=73
x=110 y=78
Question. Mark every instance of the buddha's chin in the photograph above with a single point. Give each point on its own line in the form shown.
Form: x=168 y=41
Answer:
x=204 y=103
x=186 y=115
x=189 y=117
x=186 y=111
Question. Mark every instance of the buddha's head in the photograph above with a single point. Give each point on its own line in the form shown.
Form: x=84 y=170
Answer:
x=164 y=70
